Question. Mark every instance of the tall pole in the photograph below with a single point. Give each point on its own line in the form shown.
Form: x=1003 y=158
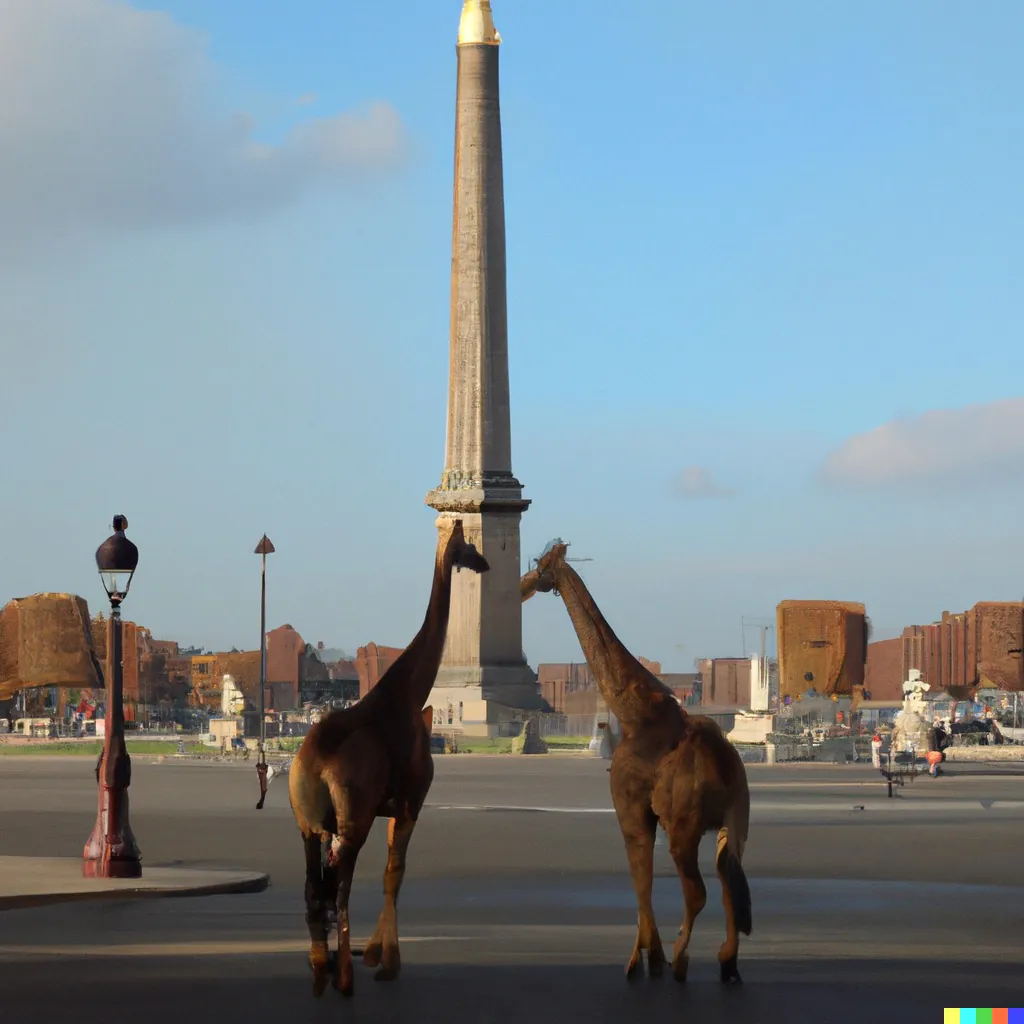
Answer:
x=264 y=548
x=263 y=656
x=111 y=850
x=763 y=681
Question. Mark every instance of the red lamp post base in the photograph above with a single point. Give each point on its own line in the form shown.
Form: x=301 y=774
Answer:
x=111 y=850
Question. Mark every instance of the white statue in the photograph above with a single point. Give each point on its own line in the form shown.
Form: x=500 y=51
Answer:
x=606 y=737
x=232 y=700
x=911 y=726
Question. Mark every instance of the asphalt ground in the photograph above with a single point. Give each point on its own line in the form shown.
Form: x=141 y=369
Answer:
x=517 y=900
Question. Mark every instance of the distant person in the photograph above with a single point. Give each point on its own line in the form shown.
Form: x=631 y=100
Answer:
x=261 y=772
x=876 y=751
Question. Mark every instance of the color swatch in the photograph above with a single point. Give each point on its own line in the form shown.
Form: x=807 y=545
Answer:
x=983 y=1015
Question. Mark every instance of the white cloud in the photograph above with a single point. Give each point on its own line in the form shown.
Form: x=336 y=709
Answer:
x=942 y=443
x=698 y=482
x=109 y=120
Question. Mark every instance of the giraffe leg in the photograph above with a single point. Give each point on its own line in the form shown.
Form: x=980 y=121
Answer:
x=352 y=832
x=383 y=946
x=638 y=831
x=316 y=914
x=684 y=847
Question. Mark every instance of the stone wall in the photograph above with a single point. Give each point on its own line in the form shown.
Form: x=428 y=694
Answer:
x=1001 y=752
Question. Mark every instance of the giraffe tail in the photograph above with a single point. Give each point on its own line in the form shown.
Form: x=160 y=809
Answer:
x=728 y=861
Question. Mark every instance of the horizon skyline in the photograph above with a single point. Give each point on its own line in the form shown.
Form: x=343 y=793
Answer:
x=761 y=308
x=350 y=652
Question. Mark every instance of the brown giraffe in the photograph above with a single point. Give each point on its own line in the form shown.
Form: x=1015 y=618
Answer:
x=668 y=767
x=368 y=761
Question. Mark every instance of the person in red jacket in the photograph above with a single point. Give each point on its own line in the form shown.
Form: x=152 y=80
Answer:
x=876 y=751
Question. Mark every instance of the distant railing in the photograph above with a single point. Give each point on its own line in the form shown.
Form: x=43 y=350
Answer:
x=554 y=725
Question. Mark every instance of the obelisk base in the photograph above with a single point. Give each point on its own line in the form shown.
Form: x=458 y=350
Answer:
x=473 y=709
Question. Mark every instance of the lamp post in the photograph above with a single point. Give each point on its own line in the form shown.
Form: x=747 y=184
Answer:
x=111 y=850
x=264 y=548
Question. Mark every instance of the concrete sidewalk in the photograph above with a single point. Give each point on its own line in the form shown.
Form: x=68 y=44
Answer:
x=37 y=881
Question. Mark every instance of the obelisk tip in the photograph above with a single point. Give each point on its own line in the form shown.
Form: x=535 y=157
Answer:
x=476 y=25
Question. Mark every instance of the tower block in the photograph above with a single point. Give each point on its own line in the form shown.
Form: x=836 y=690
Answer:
x=822 y=644
x=484 y=674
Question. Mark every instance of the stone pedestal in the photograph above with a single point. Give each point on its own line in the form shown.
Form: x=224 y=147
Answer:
x=752 y=728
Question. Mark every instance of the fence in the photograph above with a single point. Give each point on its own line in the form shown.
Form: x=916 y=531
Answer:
x=554 y=725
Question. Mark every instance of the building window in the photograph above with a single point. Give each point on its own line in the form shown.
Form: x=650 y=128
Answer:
x=460 y=710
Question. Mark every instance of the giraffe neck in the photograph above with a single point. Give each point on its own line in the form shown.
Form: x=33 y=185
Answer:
x=630 y=690
x=411 y=676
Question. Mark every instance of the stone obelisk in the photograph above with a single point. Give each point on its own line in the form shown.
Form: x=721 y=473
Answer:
x=483 y=672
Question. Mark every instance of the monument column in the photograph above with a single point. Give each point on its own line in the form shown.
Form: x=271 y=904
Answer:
x=483 y=661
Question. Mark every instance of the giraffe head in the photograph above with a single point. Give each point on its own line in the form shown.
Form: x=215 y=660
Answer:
x=551 y=558
x=463 y=553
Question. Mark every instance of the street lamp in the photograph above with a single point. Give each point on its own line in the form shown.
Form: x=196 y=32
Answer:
x=111 y=850
x=264 y=548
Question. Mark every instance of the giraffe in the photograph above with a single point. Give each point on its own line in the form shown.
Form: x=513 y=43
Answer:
x=668 y=768
x=367 y=761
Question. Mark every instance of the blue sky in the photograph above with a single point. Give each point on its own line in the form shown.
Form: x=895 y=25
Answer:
x=763 y=266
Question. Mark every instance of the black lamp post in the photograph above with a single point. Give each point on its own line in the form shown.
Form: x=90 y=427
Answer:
x=111 y=851
x=264 y=548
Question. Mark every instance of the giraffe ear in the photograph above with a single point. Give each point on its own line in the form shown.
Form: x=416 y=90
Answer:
x=428 y=718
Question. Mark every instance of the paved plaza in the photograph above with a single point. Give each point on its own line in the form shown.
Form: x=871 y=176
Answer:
x=517 y=900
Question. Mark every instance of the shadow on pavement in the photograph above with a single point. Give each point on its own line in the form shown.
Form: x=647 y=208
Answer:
x=266 y=988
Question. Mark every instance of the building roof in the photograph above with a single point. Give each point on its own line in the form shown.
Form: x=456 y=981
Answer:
x=678 y=679
x=330 y=655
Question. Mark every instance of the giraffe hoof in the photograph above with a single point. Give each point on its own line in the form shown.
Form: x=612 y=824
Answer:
x=680 y=967
x=372 y=954
x=344 y=980
x=321 y=979
x=391 y=964
x=634 y=966
x=729 y=972
x=322 y=964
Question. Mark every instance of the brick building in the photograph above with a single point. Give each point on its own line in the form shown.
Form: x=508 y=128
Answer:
x=285 y=655
x=683 y=685
x=372 y=661
x=962 y=652
x=558 y=680
x=883 y=672
x=569 y=687
x=725 y=682
x=965 y=651
x=344 y=678
x=153 y=672
x=822 y=645
x=205 y=678
x=244 y=669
